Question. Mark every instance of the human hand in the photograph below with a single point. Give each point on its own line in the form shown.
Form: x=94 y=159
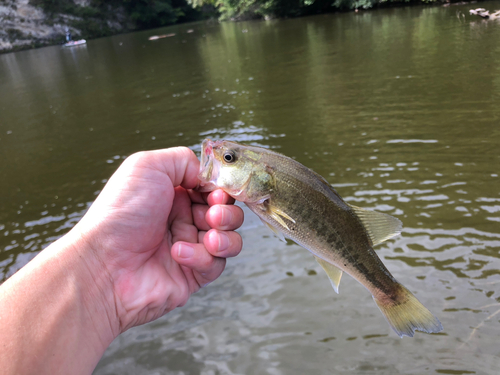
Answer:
x=145 y=245
x=155 y=240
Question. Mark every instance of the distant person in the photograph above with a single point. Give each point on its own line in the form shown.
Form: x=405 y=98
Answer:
x=68 y=35
x=145 y=245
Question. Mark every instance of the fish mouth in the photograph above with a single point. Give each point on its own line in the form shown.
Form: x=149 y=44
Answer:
x=208 y=172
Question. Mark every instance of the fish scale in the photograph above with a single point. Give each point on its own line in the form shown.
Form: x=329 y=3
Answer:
x=314 y=232
x=297 y=203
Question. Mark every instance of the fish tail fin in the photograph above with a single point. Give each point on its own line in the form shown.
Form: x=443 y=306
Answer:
x=405 y=314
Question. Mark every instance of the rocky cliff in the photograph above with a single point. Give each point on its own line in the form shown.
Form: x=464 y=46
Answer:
x=33 y=23
x=24 y=24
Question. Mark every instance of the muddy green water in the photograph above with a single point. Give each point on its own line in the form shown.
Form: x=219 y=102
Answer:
x=399 y=109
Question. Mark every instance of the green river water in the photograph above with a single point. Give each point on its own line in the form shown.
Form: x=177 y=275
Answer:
x=399 y=109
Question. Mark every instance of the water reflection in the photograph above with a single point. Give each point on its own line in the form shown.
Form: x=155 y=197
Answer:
x=397 y=108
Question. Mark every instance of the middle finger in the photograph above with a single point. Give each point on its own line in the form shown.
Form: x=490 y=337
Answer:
x=222 y=244
x=224 y=217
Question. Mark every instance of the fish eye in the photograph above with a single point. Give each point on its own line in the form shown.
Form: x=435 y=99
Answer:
x=229 y=157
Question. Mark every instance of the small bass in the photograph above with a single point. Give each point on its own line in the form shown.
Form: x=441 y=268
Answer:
x=297 y=203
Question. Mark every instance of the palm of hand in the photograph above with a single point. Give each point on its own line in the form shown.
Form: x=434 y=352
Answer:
x=144 y=223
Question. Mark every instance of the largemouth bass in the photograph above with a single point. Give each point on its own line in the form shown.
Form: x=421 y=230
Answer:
x=297 y=203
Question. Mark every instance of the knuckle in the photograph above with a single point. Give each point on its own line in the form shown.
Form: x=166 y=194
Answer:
x=135 y=158
x=207 y=263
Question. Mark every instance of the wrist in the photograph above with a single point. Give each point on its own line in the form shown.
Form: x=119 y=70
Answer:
x=93 y=284
x=56 y=313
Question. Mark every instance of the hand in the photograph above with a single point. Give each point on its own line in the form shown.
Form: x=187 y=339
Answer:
x=146 y=244
x=155 y=240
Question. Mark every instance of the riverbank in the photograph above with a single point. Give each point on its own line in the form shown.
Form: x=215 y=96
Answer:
x=26 y=24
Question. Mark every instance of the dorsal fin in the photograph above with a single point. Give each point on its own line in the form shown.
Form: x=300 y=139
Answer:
x=334 y=274
x=380 y=227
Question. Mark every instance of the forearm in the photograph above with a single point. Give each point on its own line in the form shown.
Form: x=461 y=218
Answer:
x=53 y=316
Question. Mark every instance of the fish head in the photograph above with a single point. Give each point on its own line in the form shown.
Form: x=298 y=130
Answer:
x=232 y=167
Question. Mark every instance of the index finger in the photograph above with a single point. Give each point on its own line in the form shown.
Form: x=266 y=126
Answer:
x=219 y=196
x=180 y=164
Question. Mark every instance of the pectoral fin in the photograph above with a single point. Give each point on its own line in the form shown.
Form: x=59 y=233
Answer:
x=278 y=214
x=275 y=231
x=380 y=227
x=334 y=274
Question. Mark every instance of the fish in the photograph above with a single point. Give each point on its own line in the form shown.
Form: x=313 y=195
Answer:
x=297 y=203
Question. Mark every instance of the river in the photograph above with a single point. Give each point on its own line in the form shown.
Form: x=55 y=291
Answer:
x=398 y=109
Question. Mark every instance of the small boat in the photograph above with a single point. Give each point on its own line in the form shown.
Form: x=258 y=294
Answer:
x=75 y=43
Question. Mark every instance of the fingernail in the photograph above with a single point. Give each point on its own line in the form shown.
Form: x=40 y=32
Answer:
x=226 y=217
x=223 y=241
x=185 y=251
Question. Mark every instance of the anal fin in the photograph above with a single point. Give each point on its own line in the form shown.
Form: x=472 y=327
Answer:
x=334 y=274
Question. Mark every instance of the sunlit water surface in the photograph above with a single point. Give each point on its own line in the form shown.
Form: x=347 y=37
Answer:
x=399 y=109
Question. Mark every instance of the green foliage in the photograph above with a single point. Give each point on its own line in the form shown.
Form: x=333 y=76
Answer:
x=366 y=4
x=52 y=7
x=154 y=13
x=355 y=4
x=15 y=34
x=94 y=19
x=240 y=9
x=91 y=28
x=248 y=9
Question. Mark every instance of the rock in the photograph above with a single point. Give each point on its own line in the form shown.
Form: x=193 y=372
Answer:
x=481 y=12
x=23 y=25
